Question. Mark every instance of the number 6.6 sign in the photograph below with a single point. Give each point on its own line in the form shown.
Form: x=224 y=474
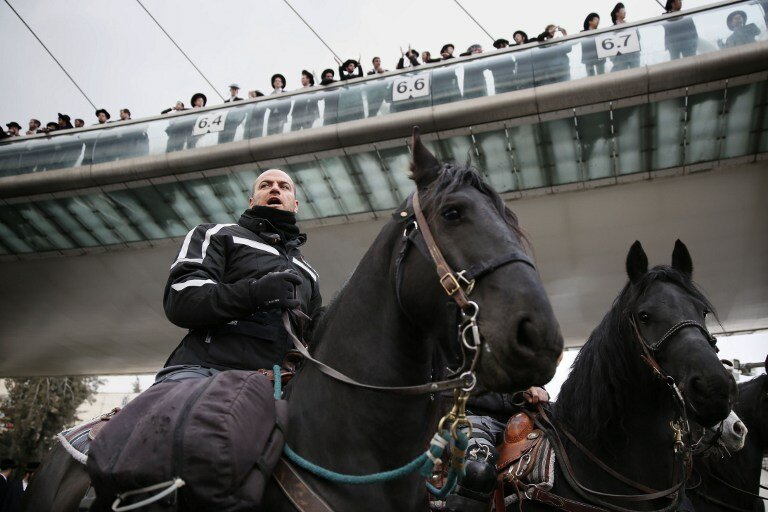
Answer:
x=609 y=45
x=207 y=123
x=405 y=87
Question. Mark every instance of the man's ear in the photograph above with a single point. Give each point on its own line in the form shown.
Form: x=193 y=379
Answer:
x=424 y=167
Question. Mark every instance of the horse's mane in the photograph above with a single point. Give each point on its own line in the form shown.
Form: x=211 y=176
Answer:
x=608 y=368
x=451 y=178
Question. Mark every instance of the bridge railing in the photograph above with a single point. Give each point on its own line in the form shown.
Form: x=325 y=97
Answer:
x=631 y=45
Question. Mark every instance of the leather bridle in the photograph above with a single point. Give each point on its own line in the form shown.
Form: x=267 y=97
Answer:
x=457 y=285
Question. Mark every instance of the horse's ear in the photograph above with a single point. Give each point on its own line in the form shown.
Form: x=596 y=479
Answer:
x=637 y=262
x=424 y=167
x=681 y=259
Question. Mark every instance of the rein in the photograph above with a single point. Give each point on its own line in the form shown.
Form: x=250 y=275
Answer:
x=448 y=432
x=680 y=428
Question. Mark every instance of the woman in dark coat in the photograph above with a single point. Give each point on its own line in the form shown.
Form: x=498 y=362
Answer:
x=278 y=113
x=592 y=63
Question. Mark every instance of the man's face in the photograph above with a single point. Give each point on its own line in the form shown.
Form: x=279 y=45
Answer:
x=518 y=38
x=79 y=123
x=233 y=91
x=304 y=80
x=376 y=63
x=350 y=68
x=275 y=189
x=199 y=102
x=737 y=20
x=179 y=105
x=13 y=130
x=62 y=122
x=124 y=116
x=33 y=125
x=102 y=117
x=477 y=49
x=448 y=51
x=328 y=76
x=278 y=83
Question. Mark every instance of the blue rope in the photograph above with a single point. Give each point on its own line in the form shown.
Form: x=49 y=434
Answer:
x=278 y=382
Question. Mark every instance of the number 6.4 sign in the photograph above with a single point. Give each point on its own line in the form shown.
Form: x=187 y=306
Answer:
x=407 y=87
x=207 y=123
x=609 y=45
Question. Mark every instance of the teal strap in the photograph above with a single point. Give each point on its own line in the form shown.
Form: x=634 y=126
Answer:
x=278 y=382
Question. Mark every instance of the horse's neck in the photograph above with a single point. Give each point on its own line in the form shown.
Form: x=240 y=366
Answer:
x=632 y=434
x=365 y=336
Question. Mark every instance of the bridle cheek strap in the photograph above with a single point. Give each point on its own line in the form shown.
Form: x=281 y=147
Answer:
x=452 y=281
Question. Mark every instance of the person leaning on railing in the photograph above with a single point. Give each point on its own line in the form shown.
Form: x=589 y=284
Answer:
x=743 y=33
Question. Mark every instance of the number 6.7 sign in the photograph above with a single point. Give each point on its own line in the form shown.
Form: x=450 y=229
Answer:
x=207 y=123
x=609 y=45
x=406 y=87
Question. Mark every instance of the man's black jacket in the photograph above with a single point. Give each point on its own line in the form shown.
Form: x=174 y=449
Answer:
x=209 y=292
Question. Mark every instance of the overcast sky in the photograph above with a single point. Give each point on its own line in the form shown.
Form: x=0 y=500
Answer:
x=120 y=58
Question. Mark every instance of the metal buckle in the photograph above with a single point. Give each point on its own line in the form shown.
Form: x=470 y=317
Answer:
x=451 y=282
x=470 y=284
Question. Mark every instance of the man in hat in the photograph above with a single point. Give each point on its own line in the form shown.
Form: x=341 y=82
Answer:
x=199 y=100
x=446 y=52
x=305 y=109
x=743 y=33
x=501 y=43
x=327 y=76
x=178 y=107
x=29 y=472
x=519 y=37
x=34 y=127
x=347 y=70
x=102 y=116
x=79 y=123
x=50 y=127
x=64 y=122
x=230 y=284
x=413 y=58
x=233 y=90
x=235 y=116
x=14 y=129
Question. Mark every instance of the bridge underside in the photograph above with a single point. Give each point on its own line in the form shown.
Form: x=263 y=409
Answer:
x=101 y=312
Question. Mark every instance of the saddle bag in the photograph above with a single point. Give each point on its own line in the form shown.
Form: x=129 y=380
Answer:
x=221 y=436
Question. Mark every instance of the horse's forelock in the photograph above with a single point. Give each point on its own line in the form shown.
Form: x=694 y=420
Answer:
x=453 y=178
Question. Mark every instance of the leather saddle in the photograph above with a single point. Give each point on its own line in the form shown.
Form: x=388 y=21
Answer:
x=519 y=449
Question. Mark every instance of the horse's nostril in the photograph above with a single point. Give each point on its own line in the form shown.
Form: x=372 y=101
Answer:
x=697 y=384
x=739 y=428
x=526 y=334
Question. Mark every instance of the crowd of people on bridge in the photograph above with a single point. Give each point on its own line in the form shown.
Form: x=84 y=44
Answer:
x=680 y=41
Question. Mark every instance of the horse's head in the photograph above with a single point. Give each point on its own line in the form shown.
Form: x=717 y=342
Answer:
x=669 y=314
x=725 y=437
x=521 y=340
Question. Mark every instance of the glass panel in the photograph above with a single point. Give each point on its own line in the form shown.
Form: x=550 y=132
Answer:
x=89 y=217
x=704 y=125
x=206 y=199
x=21 y=229
x=667 y=127
x=310 y=179
x=741 y=118
x=44 y=225
x=188 y=213
x=110 y=215
x=348 y=189
x=162 y=212
x=9 y=238
x=306 y=110
x=382 y=191
x=497 y=165
x=559 y=147
x=10 y=157
x=118 y=143
x=137 y=214
x=552 y=62
x=398 y=163
x=629 y=131
x=502 y=73
x=528 y=157
x=596 y=144
x=74 y=229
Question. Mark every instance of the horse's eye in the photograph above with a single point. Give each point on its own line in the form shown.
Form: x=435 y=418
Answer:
x=706 y=312
x=451 y=214
x=644 y=317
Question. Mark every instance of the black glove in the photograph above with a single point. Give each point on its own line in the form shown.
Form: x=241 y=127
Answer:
x=276 y=290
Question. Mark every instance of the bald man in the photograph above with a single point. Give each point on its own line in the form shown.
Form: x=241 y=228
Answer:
x=230 y=284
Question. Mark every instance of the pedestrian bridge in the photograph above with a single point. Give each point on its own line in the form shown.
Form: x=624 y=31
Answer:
x=595 y=140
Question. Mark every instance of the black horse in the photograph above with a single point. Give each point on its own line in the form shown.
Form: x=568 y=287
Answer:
x=391 y=325
x=730 y=483
x=616 y=407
